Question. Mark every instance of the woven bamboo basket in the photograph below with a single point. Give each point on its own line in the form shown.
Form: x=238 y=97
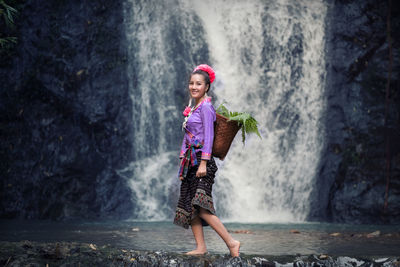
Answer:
x=224 y=133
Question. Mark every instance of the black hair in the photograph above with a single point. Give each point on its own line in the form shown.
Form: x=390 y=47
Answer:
x=205 y=75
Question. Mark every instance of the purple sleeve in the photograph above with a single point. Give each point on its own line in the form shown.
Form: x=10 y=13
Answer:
x=183 y=147
x=208 y=117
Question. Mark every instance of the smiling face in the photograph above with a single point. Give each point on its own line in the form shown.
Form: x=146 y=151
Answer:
x=197 y=87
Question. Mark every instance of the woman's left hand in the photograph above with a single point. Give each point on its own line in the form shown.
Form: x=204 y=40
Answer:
x=202 y=170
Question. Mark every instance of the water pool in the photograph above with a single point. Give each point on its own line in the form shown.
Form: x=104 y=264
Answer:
x=257 y=239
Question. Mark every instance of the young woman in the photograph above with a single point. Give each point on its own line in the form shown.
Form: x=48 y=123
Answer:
x=197 y=169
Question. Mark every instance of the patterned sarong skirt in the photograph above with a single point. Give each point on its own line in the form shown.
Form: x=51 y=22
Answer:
x=195 y=193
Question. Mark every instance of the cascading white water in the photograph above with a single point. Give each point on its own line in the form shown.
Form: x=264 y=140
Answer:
x=150 y=98
x=156 y=79
x=269 y=59
x=269 y=179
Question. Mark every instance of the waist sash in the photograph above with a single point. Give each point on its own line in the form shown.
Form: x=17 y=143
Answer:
x=189 y=157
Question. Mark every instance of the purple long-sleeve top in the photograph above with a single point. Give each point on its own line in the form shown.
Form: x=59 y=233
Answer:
x=200 y=126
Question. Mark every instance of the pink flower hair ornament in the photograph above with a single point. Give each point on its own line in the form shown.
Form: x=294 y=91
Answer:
x=208 y=69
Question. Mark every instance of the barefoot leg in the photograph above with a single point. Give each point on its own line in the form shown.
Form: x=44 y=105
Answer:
x=217 y=225
x=197 y=229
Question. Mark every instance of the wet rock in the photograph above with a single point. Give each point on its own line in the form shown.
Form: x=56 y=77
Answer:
x=92 y=246
x=374 y=234
x=241 y=231
x=53 y=252
x=62 y=96
x=358 y=235
x=258 y=261
x=350 y=185
x=12 y=254
x=381 y=260
x=350 y=262
x=26 y=244
x=15 y=263
x=323 y=257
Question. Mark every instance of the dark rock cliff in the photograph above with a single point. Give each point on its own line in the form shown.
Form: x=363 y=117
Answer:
x=65 y=113
x=352 y=183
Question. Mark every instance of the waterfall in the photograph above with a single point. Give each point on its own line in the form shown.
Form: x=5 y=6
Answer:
x=269 y=61
x=163 y=44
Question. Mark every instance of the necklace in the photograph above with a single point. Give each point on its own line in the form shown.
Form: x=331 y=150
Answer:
x=190 y=113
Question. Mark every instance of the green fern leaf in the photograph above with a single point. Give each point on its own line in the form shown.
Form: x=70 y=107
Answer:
x=222 y=110
x=247 y=123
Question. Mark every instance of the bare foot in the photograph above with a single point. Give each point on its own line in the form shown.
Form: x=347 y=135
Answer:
x=234 y=248
x=197 y=252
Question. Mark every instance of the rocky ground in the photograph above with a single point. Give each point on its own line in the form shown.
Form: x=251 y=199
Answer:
x=27 y=253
